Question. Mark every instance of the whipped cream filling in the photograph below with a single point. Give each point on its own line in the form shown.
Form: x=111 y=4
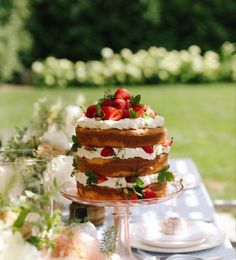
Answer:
x=117 y=182
x=123 y=153
x=127 y=123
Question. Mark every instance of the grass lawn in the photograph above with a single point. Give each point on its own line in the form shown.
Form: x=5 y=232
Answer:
x=201 y=118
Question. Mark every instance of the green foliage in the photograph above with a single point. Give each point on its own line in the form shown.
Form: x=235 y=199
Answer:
x=90 y=25
x=153 y=65
x=138 y=187
x=47 y=223
x=92 y=178
x=109 y=240
x=135 y=100
x=165 y=175
x=14 y=38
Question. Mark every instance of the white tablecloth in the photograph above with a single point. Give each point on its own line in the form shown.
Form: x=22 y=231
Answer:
x=191 y=204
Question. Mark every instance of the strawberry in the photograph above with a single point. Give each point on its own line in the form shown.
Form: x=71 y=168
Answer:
x=125 y=113
x=107 y=103
x=101 y=179
x=148 y=149
x=107 y=151
x=149 y=193
x=88 y=148
x=122 y=93
x=128 y=104
x=111 y=113
x=139 y=110
x=91 y=111
x=168 y=142
x=119 y=103
x=134 y=197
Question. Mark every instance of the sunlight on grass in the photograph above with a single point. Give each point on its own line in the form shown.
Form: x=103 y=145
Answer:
x=201 y=118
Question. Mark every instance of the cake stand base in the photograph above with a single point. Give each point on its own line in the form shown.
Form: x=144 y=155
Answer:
x=121 y=224
x=121 y=213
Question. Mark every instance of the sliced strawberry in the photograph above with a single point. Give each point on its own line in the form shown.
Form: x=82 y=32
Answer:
x=107 y=151
x=111 y=113
x=148 y=149
x=119 y=103
x=91 y=111
x=88 y=148
x=125 y=113
x=139 y=110
x=134 y=197
x=101 y=179
x=122 y=93
x=107 y=103
x=149 y=193
x=168 y=142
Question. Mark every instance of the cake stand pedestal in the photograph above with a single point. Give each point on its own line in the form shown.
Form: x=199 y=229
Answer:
x=121 y=212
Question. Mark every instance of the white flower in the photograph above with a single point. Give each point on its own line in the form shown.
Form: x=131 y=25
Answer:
x=14 y=247
x=62 y=168
x=57 y=140
x=73 y=113
x=107 y=53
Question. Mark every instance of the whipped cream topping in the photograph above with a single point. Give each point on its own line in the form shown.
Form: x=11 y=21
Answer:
x=123 y=153
x=117 y=182
x=127 y=123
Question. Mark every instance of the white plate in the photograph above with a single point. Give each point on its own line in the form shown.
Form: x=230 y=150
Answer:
x=150 y=234
x=212 y=240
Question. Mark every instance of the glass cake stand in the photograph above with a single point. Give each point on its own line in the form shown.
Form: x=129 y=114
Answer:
x=121 y=212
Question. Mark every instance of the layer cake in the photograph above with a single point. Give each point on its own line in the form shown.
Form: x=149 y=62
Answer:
x=121 y=150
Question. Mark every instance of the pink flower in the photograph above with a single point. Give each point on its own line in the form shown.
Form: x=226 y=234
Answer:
x=76 y=244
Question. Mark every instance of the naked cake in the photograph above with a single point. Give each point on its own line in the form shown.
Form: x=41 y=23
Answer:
x=121 y=150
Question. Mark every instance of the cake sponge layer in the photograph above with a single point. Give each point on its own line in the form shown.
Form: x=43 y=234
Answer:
x=94 y=192
x=121 y=138
x=122 y=167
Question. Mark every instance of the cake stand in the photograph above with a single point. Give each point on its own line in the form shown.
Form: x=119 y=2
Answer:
x=121 y=212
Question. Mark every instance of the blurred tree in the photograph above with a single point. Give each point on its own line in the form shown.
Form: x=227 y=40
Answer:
x=79 y=29
x=15 y=41
x=205 y=23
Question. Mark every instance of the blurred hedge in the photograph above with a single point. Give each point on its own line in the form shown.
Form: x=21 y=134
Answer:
x=79 y=29
x=15 y=40
x=145 y=66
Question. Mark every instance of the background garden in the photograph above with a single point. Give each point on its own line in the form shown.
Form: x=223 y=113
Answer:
x=180 y=55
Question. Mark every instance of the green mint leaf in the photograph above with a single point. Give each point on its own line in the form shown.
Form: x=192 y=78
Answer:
x=74 y=139
x=135 y=100
x=139 y=183
x=75 y=144
x=74 y=164
x=99 y=110
x=138 y=187
x=161 y=177
x=92 y=178
x=133 y=114
x=169 y=176
x=74 y=148
x=165 y=174
x=100 y=100
x=108 y=94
